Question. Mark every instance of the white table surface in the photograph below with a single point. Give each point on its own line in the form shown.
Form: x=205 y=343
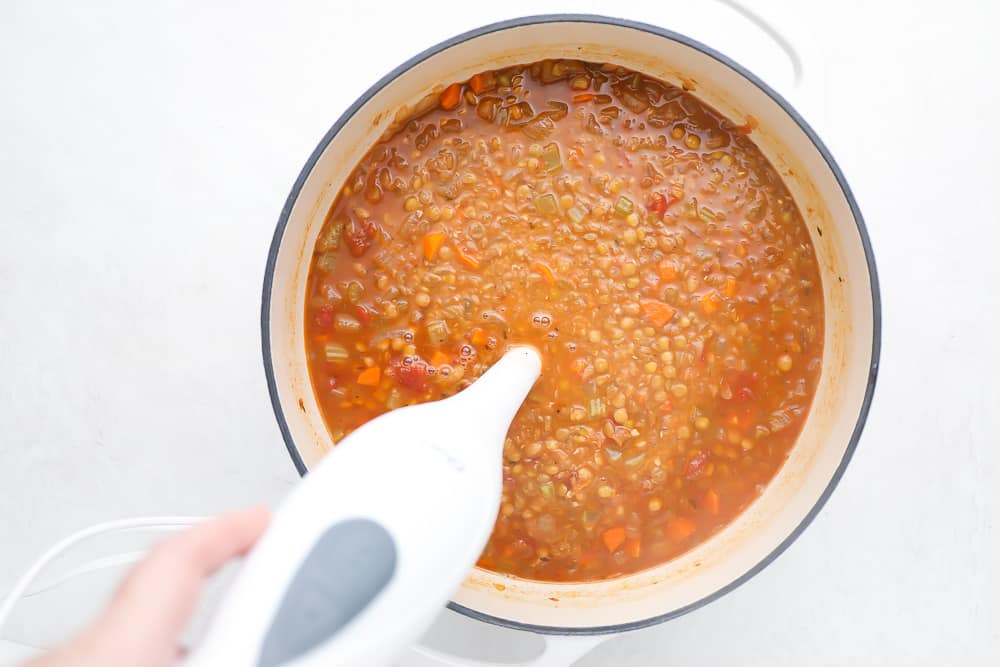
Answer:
x=146 y=149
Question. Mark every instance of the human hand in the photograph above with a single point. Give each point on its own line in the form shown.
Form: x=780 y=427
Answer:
x=143 y=624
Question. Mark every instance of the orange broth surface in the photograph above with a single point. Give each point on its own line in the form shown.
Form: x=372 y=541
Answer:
x=641 y=242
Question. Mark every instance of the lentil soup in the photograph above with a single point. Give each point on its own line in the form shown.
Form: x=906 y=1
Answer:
x=641 y=242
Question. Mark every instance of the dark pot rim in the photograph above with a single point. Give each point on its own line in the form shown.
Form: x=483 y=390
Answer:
x=784 y=104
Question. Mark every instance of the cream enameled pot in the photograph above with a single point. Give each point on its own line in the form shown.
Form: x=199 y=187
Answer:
x=850 y=289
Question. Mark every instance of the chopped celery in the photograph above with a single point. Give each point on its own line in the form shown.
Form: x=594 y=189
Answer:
x=335 y=352
x=597 y=407
x=346 y=323
x=546 y=489
x=327 y=262
x=355 y=291
x=576 y=214
x=329 y=238
x=395 y=399
x=437 y=332
x=717 y=141
x=623 y=206
x=546 y=204
x=635 y=460
x=551 y=158
x=559 y=110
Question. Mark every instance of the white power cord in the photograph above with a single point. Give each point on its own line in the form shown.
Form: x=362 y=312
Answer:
x=96 y=565
x=22 y=588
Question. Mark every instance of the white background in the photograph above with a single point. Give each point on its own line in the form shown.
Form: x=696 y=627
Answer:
x=146 y=150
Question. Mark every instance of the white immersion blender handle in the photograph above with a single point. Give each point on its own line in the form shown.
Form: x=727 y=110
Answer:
x=368 y=548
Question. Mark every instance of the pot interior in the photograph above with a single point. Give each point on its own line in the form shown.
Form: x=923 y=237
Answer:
x=850 y=295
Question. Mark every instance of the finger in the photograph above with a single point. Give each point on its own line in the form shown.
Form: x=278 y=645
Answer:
x=154 y=604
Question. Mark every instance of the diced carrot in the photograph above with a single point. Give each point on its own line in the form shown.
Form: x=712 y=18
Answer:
x=710 y=302
x=667 y=270
x=730 y=287
x=666 y=406
x=439 y=358
x=370 y=376
x=657 y=312
x=432 y=244
x=451 y=96
x=580 y=98
x=712 y=501
x=479 y=337
x=465 y=256
x=613 y=538
x=633 y=547
x=705 y=347
x=546 y=272
x=480 y=82
x=680 y=528
x=578 y=366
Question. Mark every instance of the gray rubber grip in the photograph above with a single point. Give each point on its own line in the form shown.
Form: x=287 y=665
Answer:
x=348 y=566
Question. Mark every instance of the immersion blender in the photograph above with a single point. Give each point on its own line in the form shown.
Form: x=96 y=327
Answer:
x=367 y=549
